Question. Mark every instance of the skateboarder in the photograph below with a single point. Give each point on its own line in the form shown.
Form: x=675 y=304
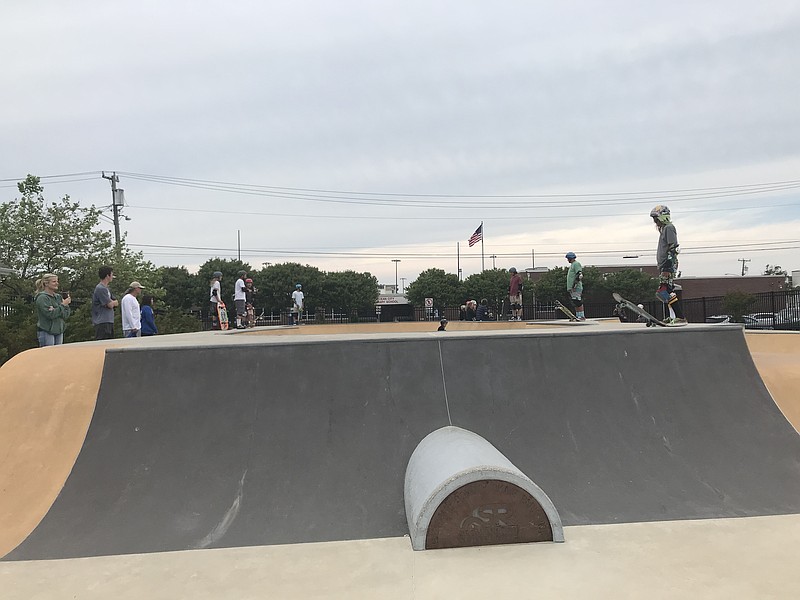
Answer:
x=667 y=259
x=515 y=294
x=250 y=291
x=575 y=284
x=214 y=299
x=240 y=300
x=297 y=304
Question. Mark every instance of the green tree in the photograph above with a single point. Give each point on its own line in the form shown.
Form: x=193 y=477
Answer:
x=491 y=284
x=444 y=288
x=737 y=304
x=348 y=291
x=631 y=284
x=277 y=282
x=181 y=289
x=38 y=236
x=551 y=285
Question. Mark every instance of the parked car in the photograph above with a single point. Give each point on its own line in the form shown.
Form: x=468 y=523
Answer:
x=717 y=319
x=759 y=321
x=788 y=318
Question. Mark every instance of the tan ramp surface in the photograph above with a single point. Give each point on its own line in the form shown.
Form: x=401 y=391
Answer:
x=47 y=398
x=777 y=357
x=262 y=440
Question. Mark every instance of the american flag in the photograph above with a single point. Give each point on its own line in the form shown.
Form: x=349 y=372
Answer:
x=476 y=237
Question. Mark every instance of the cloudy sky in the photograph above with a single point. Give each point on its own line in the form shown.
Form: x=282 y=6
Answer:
x=344 y=134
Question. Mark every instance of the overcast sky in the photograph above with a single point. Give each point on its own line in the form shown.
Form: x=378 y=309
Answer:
x=413 y=122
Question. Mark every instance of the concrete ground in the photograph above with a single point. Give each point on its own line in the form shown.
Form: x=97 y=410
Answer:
x=717 y=558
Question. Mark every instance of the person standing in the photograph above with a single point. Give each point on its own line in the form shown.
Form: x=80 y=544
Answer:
x=148 y=317
x=131 y=313
x=52 y=310
x=297 y=304
x=575 y=284
x=103 y=305
x=215 y=295
x=240 y=300
x=667 y=259
x=250 y=292
x=515 y=294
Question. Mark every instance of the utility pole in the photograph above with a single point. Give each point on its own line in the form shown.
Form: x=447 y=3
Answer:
x=239 y=244
x=533 y=259
x=744 y=268
x=493 y=256
x=395 y=261
x=117 y=201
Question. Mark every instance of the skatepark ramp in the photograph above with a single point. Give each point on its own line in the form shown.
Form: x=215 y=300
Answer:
x=224 y=441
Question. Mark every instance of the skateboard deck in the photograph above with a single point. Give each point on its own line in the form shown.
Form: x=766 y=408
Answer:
x=566 y=311
x=651 y=320
x=222 y=314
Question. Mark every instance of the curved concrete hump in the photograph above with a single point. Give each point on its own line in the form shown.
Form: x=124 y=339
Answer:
x=461 y=491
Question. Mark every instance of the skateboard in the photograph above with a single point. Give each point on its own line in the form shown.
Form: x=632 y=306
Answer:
x=651 y=320
x=222 y=314
x=566 y=311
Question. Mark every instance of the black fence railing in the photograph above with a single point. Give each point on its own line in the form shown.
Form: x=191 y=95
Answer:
x=768 y=310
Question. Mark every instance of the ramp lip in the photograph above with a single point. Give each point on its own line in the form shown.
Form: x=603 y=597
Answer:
x=305 y=340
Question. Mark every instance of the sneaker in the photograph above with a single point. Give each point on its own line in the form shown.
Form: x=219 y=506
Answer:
x=675 y=321
x=581 y=318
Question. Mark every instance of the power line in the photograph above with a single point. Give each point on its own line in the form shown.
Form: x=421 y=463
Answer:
x=461 y=201
x=458 y=196
x=432 y=218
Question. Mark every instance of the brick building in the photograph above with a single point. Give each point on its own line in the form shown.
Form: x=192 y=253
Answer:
x=710 y=287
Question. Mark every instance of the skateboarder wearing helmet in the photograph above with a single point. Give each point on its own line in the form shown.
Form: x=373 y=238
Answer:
x=667 y=259
x=515 y=294
x=575 y=284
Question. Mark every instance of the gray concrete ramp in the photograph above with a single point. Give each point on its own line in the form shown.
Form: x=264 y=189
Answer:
x=274 y=442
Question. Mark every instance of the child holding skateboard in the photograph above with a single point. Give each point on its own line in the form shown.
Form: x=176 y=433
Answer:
x=575 y=284
x=214 y=299
x=667 y=259
x=250 y=293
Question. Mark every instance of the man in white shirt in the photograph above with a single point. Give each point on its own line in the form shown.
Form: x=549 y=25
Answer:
x=131 y=313
x=240 y=300
x=297 y=305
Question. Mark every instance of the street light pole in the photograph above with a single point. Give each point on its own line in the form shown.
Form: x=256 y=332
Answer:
x=395 y=261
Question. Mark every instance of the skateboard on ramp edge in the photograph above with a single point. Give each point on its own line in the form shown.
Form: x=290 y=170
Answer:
x=651 y=320
x=566 y=311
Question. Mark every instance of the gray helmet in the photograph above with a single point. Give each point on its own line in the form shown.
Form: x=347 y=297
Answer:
x=242 y=273
x=512 y=270
x=217 y=274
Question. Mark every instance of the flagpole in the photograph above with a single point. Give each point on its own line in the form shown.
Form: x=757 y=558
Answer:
x=483 y=235
x=458 y=259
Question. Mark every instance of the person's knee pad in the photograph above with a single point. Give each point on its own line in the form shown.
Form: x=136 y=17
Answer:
x=576 y=302
x=516 y=306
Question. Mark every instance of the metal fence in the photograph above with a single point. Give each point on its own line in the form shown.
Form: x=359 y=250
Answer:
x=768 y=310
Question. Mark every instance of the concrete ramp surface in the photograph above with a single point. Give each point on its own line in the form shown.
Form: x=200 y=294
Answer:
x=286 y=440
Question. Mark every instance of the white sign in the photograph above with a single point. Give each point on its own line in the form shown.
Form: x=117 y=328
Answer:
x=428 y=302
